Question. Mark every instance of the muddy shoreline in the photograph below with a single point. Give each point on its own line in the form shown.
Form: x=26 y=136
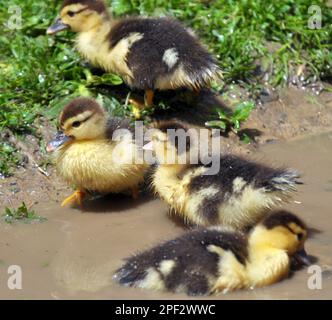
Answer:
x=290 y=114
x=74 y=253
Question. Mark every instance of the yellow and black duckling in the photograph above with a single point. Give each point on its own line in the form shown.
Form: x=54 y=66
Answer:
x=148 y=53
x=238 y=195
x=212 y=260
x=93 y=154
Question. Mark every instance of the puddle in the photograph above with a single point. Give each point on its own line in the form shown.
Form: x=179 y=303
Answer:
x=73 y=254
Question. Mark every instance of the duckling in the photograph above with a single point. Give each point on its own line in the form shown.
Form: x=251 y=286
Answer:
x=237 y=195
x=212 y=260
x=148 y=53
x=96 y=153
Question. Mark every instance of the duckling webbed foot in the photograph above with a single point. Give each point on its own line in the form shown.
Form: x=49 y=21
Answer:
x=77 y=197
x=139 y=105
x=148 y=98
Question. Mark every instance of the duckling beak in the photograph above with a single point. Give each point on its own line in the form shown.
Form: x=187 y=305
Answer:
x=302 y=257
x=57 y=27
x=59 y=140
x=148 y=146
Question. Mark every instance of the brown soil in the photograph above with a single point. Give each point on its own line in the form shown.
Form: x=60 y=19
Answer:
x=293 y=113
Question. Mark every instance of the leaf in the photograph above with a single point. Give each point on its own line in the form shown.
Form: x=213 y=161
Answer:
x=216 y=123
x=107 y=78
x=8 y=212
x=88 y=75
x=242 y=111
x=111 y=78
x=245 y=139
x=222 y=115
x=83 y=91
x=236 y=125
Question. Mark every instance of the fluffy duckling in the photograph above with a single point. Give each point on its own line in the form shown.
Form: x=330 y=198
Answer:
x=94 y=154
x=237 y=195
x=208 y=261
x=148 y=53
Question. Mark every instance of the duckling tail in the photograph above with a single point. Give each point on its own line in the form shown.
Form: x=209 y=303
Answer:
x=285 y=181
x=129 y=274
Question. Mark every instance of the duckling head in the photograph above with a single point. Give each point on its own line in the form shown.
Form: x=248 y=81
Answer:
x=168 y=149
x=80 y=16
x=81 y=119
x=284 y=231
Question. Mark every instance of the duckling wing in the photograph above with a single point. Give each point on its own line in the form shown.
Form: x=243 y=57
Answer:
x=239 y=193
x=234 y=168
x=166 y=56
x=186 y=264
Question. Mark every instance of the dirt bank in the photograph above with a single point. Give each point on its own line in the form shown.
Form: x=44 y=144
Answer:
x=288 y=114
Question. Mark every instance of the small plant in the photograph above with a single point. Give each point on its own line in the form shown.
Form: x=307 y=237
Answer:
x=9 y=158
x=232 y=121
x=22 y=214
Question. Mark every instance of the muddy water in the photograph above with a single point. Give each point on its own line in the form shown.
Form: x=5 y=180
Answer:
x=74 y=253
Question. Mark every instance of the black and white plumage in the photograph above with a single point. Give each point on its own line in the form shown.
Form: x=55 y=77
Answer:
x=148 y=53
x=212 y=260
x=182 y=264
x=238 y=194
x=167 y=56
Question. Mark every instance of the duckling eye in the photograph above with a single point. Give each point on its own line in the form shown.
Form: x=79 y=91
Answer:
x=71 y=13
x=299 y=236
x=76 y=124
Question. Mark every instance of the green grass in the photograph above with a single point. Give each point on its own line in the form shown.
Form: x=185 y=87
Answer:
x=22 y=214
x=38 y=73
x=241 y=31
